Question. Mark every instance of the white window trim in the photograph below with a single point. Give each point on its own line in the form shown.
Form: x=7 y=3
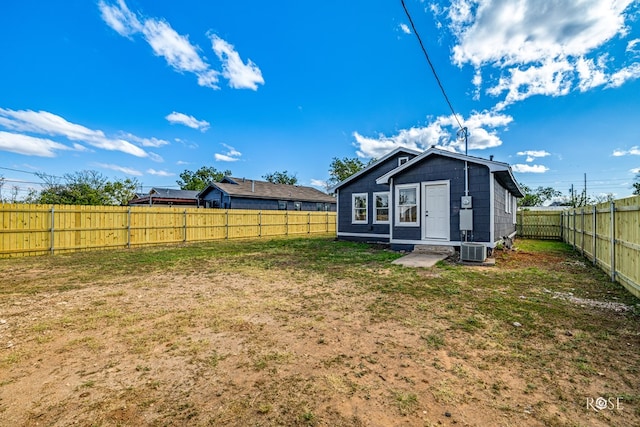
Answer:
x=402 y=160
x=396 y=206
x=375 y=208
x=353 y=208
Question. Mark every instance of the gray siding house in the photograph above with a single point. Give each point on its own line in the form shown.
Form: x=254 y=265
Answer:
x=240 y=193
x=436 y=197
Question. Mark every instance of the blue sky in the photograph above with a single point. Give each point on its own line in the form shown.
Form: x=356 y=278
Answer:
x=146 y=89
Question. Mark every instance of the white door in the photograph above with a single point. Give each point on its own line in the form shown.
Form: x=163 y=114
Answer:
x=436 y=210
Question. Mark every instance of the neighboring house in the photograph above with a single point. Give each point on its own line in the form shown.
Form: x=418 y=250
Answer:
x=409 y=198
x=167 y=197
x=240 y=193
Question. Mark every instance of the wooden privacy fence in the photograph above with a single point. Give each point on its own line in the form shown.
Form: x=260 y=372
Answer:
x=608 y=234
x=29 y=230
x=539 y=224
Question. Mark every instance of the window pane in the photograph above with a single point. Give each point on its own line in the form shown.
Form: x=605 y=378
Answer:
x=382 y=215
x=360 y=202
x=382 y=201
x=408 y=214
x=407 y=196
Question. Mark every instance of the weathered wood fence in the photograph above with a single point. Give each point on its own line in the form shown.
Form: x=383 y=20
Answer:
x=29 y=230
x=608 y=234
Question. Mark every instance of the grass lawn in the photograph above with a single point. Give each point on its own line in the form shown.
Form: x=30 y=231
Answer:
x=315 y=332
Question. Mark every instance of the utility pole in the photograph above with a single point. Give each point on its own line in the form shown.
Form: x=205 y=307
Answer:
x=573 y=200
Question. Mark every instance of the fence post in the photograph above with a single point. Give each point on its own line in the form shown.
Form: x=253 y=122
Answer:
x=308 y=222
x=129 y=228
x=595 y=234
x=184 y=225
x=259 y=223
x=226 y=224
x=286 y=223
x=53 y=223
x=582 y=244
x=613 y=241
x=574 y=229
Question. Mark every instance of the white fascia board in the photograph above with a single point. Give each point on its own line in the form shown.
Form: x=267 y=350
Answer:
x=373 y=165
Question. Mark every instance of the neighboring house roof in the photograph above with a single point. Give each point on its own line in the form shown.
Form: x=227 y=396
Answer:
x=241 y=187
x=501 y=170
x=167 y=195
x=174 y=194
x=375 y=164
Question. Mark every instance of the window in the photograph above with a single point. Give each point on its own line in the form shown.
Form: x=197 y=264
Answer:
x=381 y=209
x=282 y=205
x=297 y=206
x=359 y=203
x=507 y=202
x=402 y=160
x=407 y=205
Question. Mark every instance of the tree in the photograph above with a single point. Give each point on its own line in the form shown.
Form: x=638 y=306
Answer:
x=538 y=196
x=83 y=188
x=281 y=178
x=636 y=185
x=121 y=192
x=341 y=169
x=200 y=179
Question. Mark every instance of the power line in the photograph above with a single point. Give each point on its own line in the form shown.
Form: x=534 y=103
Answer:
x=424 y=50
x=30 y=173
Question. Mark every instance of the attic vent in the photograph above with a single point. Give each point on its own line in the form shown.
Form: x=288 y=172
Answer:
x=476 y=252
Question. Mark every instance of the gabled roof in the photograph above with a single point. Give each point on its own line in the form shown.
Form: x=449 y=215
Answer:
x=501 y=170
x=374 y=165
x=241 y=187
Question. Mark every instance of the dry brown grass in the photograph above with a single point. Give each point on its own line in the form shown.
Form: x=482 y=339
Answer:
x=312 y=332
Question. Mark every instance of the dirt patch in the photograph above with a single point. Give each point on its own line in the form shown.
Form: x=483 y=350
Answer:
x=290 y=347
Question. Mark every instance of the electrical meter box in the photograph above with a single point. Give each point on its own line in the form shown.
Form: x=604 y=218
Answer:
x=466 y=219
x=465 y=202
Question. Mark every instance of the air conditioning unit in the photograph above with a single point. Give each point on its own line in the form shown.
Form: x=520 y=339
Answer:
x=476 y=252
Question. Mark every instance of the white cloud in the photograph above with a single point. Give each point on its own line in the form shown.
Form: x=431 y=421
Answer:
x=239 y=74
x=319 y=183
x=405 y=28
x=123 y=169
x=632 y=46
x=633 y=151
x=441 y=132
x=45 y=123
x=145 y=142
x=541 y=48
x=120 y=18
x=160 y=173
x=533 y=154
x=189 y=121
x=523 y=168
x=28 y=145
x=635 y=170
x=232 y=155
x=176 y=49
x=179 y=52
